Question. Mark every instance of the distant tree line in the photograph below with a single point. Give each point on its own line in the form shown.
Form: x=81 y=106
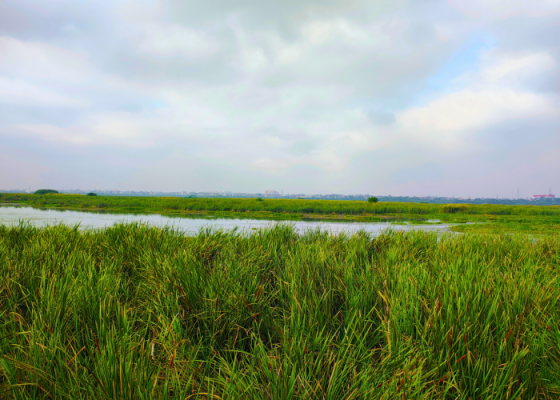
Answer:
x=52 y=191
x=46 y=191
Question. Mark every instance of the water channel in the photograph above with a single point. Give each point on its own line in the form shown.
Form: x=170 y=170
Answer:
x=11 y=215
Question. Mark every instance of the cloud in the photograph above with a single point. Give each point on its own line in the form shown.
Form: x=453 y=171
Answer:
x=441 y=121
x=29 y=170
x=503 y=10
x=328 y=96
x=496 y=93
x=514 y=65
x=175 y=41
x=16 y=92
x=418 y=174
x=40 y=60
x=381 y=117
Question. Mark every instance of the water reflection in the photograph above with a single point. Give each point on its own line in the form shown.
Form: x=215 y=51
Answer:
x=12 y=215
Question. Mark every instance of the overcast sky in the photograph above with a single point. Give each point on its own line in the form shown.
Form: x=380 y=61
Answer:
x=425 y=97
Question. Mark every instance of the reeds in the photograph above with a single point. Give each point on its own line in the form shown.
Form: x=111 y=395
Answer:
x=498 y=219
x=177 y=205
x=134 y=312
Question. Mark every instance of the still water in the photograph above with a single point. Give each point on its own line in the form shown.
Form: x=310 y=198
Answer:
x=13 y=215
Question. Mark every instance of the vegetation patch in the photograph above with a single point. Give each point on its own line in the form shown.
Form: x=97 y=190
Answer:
x=46 y=191
x=133 y=312
x=454 y=208
x=534 y=220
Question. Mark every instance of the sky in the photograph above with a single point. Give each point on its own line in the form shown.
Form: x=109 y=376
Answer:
x=427 y=97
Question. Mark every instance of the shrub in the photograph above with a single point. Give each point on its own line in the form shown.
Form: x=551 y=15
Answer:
x=454 y=208
x=91 y=194
x=259 y=199
x=372 y=200
x=46 y=191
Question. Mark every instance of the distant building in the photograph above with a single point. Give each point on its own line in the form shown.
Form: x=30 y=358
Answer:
x=271 y=193
x=543 y=196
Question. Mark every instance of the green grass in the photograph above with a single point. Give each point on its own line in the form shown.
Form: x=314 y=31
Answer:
x=498 y=219
x=289 y=206
x=133 y=312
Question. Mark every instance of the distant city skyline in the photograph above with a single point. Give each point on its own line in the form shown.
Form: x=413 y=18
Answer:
x=452 y=98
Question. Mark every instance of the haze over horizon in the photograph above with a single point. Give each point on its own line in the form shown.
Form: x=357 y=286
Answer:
x=447 y=98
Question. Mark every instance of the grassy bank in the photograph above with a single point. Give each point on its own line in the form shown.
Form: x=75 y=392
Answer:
x=536 y=220
x=139 y=313
x=177 y=205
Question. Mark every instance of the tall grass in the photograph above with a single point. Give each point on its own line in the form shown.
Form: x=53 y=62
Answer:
x=181 y=205
x=134 y=312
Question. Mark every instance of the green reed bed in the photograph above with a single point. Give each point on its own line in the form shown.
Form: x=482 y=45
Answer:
x=218 y=205
x=133 y=312
x=498 y=219
x=289 y=206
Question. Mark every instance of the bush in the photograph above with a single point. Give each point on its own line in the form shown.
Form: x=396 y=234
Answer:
x=454 y=208
x=91 y=194
x=372 y=200
x=259 y=199
x=46 y=191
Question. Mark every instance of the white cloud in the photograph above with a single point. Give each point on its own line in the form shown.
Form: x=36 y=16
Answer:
x=501 y=65
x=172 y=40
x=318 y=32
x=17 y=92
x=41 y=60
x=506 y=9
x=488 y=99
x=443 y=121
x=270 y=165
x=74 y=135
x=29 y=170
x=118 y=131
x=271 y=88
x=254 y=57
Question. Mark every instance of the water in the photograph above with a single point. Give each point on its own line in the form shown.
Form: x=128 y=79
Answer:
x=11 y=214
